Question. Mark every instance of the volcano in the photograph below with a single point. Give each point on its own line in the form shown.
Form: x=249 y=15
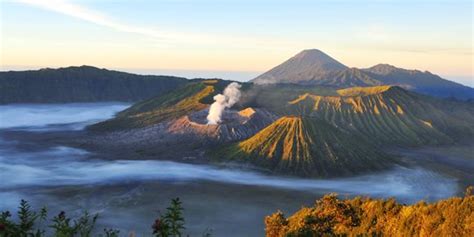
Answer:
x=308 y=147
x=314 y=67
x=308 y=65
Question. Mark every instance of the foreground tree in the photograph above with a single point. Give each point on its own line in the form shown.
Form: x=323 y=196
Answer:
x=172 y=222
x=32 y=224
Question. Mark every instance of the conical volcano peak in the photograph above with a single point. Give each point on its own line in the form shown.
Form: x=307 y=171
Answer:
x=309 y=64
x=316 y=56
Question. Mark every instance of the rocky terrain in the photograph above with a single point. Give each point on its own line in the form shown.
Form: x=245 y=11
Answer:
x=236 y=125
x=186 y=137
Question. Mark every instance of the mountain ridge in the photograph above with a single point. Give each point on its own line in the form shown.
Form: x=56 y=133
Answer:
x=312 y=70
x=81 y=84
x=390 y=115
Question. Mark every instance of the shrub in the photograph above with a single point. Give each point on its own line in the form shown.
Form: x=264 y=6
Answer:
x=377 y=217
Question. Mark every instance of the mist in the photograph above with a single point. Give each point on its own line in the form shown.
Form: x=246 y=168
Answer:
x=59 y=166
x=73 y=116
x=62 y=166
x=126 y=191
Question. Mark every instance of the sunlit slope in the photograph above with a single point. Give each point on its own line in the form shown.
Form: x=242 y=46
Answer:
x=390 y=115
x=307 y=147
x=169 y=106
x=331 y=216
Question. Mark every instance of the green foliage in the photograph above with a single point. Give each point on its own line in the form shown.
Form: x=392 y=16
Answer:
x=174 y=216
x=170 y=223
x=30 y=223
x=81 y=227
x=26 y=223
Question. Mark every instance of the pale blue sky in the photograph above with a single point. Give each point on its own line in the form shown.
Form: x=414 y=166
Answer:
x=236 y=39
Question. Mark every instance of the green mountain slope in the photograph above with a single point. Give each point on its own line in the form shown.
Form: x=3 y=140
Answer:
x=390 y=115
x=307 y=147
x=81 y=84
x=193 y=97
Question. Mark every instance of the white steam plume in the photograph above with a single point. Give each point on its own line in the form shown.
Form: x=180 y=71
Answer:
x=221 y=102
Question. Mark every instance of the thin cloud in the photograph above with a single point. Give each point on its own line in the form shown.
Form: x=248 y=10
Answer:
x=80 y=12
x=98 y=18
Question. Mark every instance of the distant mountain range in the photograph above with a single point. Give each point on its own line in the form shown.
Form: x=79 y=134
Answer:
x=81 y=84
x=309 y=67
x=317 y=68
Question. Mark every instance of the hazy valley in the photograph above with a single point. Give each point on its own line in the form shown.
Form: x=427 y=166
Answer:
x=308 y=127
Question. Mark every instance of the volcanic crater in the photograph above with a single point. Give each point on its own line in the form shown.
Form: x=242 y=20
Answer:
x=235 y=125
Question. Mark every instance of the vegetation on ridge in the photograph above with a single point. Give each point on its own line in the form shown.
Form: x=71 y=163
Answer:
x=330 y=216
x=359 y=216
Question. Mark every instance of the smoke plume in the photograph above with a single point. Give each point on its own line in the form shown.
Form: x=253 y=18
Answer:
x=222 y=101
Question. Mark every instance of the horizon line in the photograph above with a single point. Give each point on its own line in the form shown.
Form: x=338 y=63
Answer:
x=461 y=79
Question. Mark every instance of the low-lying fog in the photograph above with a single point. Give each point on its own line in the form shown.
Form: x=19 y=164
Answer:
x=62 y=166
x=49 y=116
x=55 y=168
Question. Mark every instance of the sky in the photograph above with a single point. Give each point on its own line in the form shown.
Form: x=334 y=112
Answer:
x=236 y=39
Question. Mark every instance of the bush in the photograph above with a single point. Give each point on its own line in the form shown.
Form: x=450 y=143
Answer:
x=377 y=217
